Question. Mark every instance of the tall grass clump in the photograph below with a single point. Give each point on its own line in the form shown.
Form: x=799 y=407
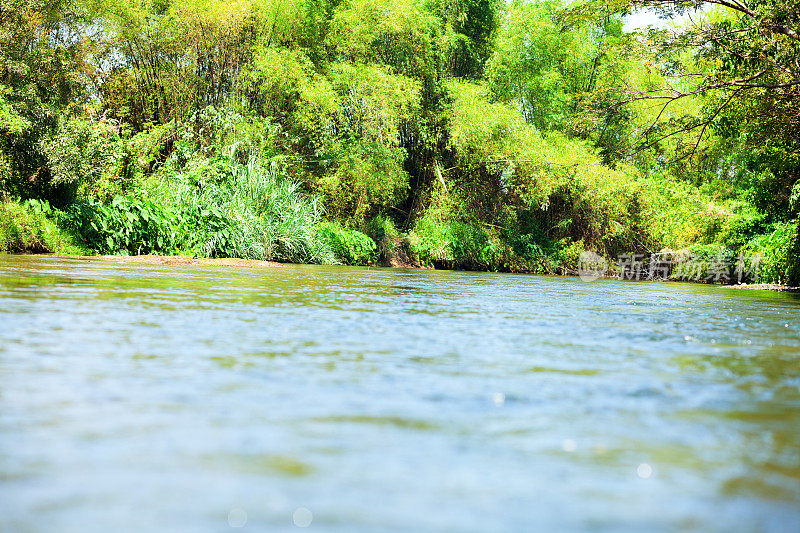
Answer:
x=247 y=210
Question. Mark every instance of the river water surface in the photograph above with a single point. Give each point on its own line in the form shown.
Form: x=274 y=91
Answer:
x=197 y=398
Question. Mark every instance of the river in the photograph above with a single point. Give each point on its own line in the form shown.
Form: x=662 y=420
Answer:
x=136 y=397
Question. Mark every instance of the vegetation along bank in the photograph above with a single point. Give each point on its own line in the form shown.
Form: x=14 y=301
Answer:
x=470 y=134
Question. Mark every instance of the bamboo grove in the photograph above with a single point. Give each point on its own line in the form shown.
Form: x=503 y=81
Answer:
x=473 y=134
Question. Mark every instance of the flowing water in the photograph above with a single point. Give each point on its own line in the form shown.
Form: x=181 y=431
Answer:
x=198 y=398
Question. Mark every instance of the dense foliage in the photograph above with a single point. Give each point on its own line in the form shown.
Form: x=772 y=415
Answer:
x=472 y=134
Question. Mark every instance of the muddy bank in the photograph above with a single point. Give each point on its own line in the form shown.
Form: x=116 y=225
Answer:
x=181 y=260
x=391 y=262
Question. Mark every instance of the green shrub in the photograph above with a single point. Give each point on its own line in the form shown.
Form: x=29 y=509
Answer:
x=453 y=245
x=149 y=146
x=80 y=153
x=473 y=249
x=569 y=255
x=126 y=227
x=382 y=230
x=794 y=261
x=25 y=228
x=777 y=250
x=349 y=246
x=367 y=177
x=430 y=243
x=217 y=208
x=745 y=224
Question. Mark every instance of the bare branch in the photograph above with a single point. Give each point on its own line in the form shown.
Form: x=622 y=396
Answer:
x=745 y=83
x=705 y=125
x=736 y=6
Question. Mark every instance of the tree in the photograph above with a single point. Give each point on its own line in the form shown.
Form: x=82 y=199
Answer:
x=745 y=56
x=42 y=67
x=739 y=65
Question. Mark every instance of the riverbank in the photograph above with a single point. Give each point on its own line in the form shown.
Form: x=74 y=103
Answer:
x=34 y=227
x=251 y=263
x=183 y=260
x=175 y=260
x=128 y=226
